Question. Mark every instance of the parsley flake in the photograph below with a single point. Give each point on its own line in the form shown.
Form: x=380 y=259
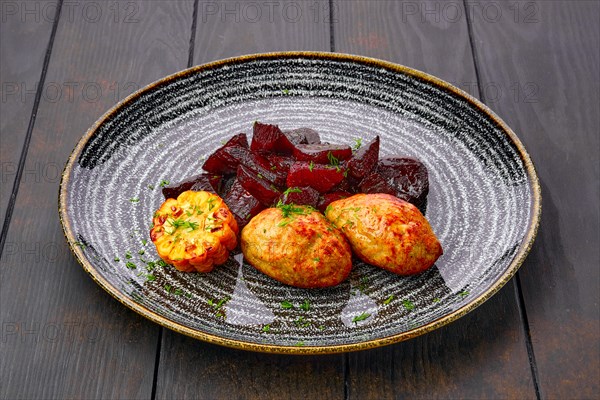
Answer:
x=361 y=317
x=305 y=306
x=408 y=305
x=286 y=305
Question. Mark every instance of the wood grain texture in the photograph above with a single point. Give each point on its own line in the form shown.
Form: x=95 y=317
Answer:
x=62 y=335
x=20 y=72
x=482 y=355
x=196 y=370
x=192 y=369
x=230 y=28
x=550 y=52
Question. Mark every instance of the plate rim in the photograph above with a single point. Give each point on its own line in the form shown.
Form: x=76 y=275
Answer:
x=524 y=247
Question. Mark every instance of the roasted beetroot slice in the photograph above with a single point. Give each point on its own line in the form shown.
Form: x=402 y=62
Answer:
x=225 y=160
x=375 y=183
x=242 y=204
x=364 y=160
x=320 y=177
x=196 y=182
x=408 y=176
x=305 y=196
x=270 y=138
x=261 y=189
x=278 y=163
x=241 y=140
x=261 y=165
x=322 y=153
x=303 y=136
x=329 y=198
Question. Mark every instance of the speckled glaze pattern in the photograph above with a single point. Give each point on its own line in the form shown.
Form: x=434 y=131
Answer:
x=484 y=200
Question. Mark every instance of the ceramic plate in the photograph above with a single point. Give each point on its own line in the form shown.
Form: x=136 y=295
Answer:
x=484 y=200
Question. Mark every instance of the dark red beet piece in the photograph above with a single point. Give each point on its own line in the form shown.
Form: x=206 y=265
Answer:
x=375 y=183
x=242 y=204
x=261 y=189
x=267 y=137
x=329 y=198
x=206 y=182
x=364 y=160
x=263 y=165
x=322 y=153
x=318 y=176
x=305 y=196
x=303 y=136
x=278 y=163
x=241 y=139
x=408 y=176
x=225 y=160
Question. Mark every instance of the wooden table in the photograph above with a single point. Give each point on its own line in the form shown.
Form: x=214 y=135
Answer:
x=63 y=63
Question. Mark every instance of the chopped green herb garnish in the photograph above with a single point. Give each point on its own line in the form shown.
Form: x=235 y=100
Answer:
x=311 y=165
x=273 y=167
x=141 y=252
x=292 y=190
x=163 y=183
x=80 y=244
x=301 y=322
x=299 y=344
x=286 y=305
x=361 y=317
x=437 y=300
x=218 y=304
x=144 y=242
x=408 y=304
x=464 y=293
x=286 y=91
x=284 y=223
x=162 y=263
x=291 y=209
x=316 y=259
x=389 y=299
x=178 y=292
x=168 y=288
x=211 y=204
x=266 y=328
x=177 y=223
x=151 y=187
x=357 y=143
x=134 y=199
x=117 y=259
x=130 y=265
x=128 y=255
x=150 y=277
x=305 y=306
x=260 y=176
x=333 y=160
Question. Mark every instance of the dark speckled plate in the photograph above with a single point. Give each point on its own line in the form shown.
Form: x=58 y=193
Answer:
x=484 y=201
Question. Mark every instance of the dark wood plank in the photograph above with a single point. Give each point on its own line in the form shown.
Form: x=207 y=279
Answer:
x=229 y=28
x=482 y=355
x=193 y=369
x=20 y=72
x=62 y=335
x=547 y=58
